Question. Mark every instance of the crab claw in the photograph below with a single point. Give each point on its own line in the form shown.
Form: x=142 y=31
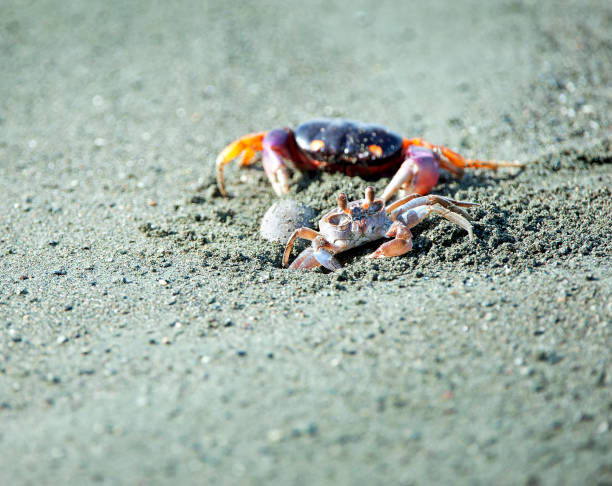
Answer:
x=310 y=259
x=319 y=254
x=276 y=171
x=275 y=147
x=418 y=174
x=322 y=251
x=305 y=261
x=326 y=259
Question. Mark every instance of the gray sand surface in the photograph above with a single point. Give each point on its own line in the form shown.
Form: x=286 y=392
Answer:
x=150 y=336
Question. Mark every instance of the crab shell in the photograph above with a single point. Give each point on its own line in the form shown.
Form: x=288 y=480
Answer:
x=360 y=222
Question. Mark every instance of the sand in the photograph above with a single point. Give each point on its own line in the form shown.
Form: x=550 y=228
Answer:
x=150 y=336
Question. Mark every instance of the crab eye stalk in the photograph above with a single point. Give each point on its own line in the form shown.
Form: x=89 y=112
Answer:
x=342 y=201
x=369 y=195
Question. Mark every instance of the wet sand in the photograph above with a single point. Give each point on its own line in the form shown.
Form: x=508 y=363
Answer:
x=149 y=335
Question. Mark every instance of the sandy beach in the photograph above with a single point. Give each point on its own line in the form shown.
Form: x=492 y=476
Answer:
x=150 y=336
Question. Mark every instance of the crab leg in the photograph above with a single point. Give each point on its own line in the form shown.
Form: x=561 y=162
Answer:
x=455 y=163
x=414 y=200
x=411 y=210
x=247 y=146
x=304 y=233
x=417 y=213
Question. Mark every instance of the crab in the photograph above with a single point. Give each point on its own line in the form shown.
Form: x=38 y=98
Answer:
x=353 y=148
x=359 y=222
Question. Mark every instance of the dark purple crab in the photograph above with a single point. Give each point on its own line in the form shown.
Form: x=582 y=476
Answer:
x=353 y=148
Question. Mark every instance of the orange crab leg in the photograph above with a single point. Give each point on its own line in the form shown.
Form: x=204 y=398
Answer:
x=247 y=146
x=455 y=163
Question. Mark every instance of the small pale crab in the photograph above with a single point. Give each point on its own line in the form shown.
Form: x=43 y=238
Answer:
x=359 y=222
x=353 y=148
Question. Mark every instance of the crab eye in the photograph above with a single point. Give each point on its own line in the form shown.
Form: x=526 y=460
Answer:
x=369 y=198
x=340 y=220
x=342 y=201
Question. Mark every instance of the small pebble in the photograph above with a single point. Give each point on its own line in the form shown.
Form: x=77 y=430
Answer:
x=16 y=338
x=275 y=435
x=51 y=378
